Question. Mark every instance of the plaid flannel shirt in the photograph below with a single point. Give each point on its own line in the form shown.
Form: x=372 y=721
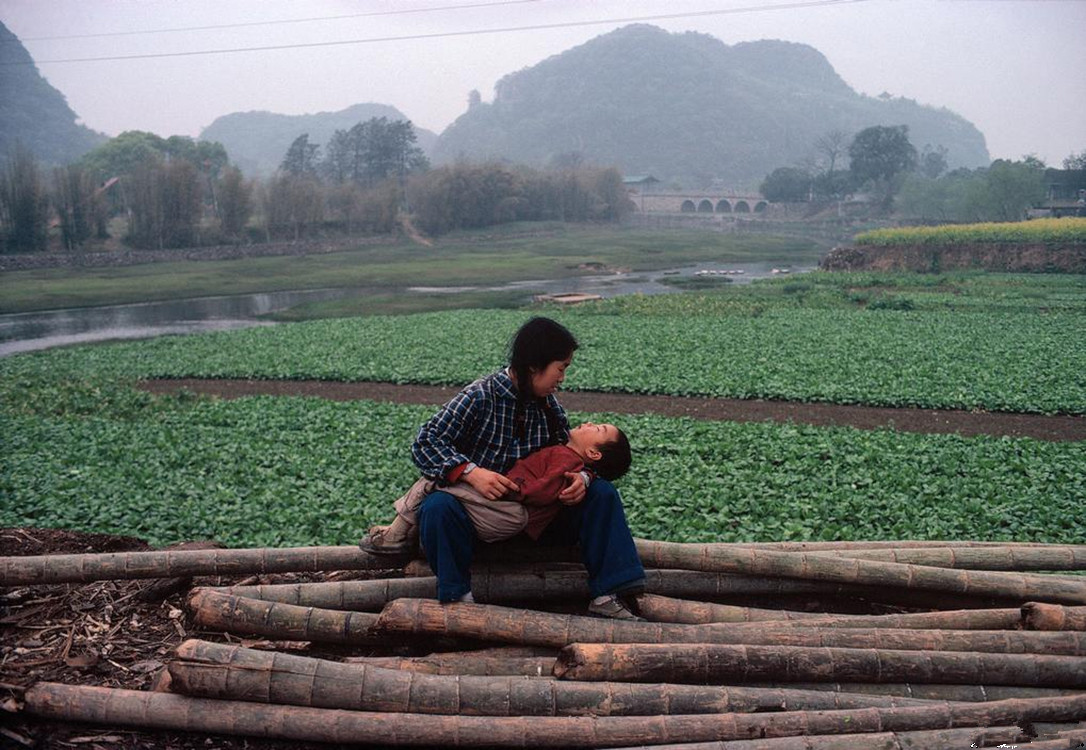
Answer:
x=479 y=425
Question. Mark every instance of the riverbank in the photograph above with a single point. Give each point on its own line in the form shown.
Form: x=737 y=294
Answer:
x=1004 y=257
x=476 y=259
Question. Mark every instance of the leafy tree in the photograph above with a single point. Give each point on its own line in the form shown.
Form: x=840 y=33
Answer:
x=932 y=162
x=24 y=204
x=301 y=158
x=338 y=163
x=879 y=156
x=77 y=204
x=787 y=185
x=831 y=186
x=388 y=150
x=124 y=154
x=235 y=202
x=293 y=204
x=165 y=202
x=1013 y=187
x=1075 y=161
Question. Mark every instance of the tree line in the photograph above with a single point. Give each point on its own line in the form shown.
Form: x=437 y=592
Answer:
x=177 y=192
x=918 y=185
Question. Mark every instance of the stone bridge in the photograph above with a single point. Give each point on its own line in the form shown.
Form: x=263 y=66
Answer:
x=700 y=203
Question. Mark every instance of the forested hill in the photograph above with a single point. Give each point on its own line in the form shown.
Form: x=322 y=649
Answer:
x=687 y=107
x=34 y=113
x=258 y=141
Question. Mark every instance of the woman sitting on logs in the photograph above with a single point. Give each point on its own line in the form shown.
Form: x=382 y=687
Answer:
x=478 y=436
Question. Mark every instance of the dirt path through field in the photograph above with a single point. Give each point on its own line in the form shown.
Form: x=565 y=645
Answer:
x=1056 y=428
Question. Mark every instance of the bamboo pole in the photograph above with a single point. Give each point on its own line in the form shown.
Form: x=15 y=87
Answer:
x=926 y=739
x=666 y=609
x=929 y=691
x=829 y=546
x=1039 y=616
x=37 y=569
x=134 y=708
x=490 y=585
x=708 y=585
x=211 y=670
x=528 y=627
x=236 y=614
x=358 y=596
x=1050 y=557
x=802 y=565
x=717 y=664
x=492 y=662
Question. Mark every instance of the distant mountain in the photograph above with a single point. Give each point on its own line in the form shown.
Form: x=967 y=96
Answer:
x=687 y=107
x=34 y=113
x=258 y=141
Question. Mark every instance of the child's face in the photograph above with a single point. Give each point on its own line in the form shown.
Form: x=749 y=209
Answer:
x=588 y=438
x=546 y=381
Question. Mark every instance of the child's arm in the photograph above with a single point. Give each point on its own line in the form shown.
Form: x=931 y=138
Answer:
x=542 y=475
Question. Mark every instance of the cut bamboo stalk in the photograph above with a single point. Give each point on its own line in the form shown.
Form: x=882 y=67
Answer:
x=928 y=739
x=491 y=662
x=236 y=614
x=708 y=585
x=529 y=627
x=21 y=571
x=358 y=596
x=802 y=565
x=211 y=670
x=716 y=664
x=861 y=545
x=1040 y=616
x=930 y=691
x=496 y=586
x=134 y=708
x=1051 y=557
x=667 y=609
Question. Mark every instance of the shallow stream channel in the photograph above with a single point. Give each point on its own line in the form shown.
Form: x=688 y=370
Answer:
x=22 y=332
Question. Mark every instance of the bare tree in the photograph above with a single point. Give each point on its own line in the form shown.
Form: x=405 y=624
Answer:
x=832 y=146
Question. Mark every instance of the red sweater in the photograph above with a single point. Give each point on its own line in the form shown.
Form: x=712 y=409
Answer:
x=541 y=476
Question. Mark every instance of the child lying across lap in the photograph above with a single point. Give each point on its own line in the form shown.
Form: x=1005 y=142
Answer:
x=602 y=449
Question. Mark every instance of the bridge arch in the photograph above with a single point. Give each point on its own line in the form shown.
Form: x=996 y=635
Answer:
x=723 y=206
x=742 y=207
x=688 y=207
x=705 y=207
x=760 y=207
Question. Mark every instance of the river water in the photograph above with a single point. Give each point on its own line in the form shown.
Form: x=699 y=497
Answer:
x=24 y=332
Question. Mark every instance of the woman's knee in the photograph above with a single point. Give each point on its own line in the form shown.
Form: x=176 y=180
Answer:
x=440 y=510
x=602 y=491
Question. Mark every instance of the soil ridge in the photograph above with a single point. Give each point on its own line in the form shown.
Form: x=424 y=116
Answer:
x=1056 y=428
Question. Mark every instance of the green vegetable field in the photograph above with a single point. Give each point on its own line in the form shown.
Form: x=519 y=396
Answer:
x=81 y=448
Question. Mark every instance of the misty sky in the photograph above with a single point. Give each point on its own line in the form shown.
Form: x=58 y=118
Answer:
x=1015 y=68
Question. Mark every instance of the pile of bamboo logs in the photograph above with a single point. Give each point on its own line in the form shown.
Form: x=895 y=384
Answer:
x=986 y=646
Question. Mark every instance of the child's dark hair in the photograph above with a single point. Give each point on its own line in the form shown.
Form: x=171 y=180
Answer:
x=615 y=458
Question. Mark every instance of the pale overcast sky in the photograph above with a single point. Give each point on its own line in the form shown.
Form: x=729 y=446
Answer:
x=1015 y=68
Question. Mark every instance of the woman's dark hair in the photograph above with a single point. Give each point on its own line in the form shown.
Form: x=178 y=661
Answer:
x=539 y=342
x=615 y=458
x=535 y=345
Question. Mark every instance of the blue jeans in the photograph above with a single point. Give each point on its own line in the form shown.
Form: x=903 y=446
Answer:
x=597 y=523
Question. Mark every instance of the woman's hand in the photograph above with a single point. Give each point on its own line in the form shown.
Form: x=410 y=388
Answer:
x=489 y=484
x=574 y=491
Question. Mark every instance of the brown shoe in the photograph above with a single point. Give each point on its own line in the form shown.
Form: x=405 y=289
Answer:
x=376 y=543
x=614 y=608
